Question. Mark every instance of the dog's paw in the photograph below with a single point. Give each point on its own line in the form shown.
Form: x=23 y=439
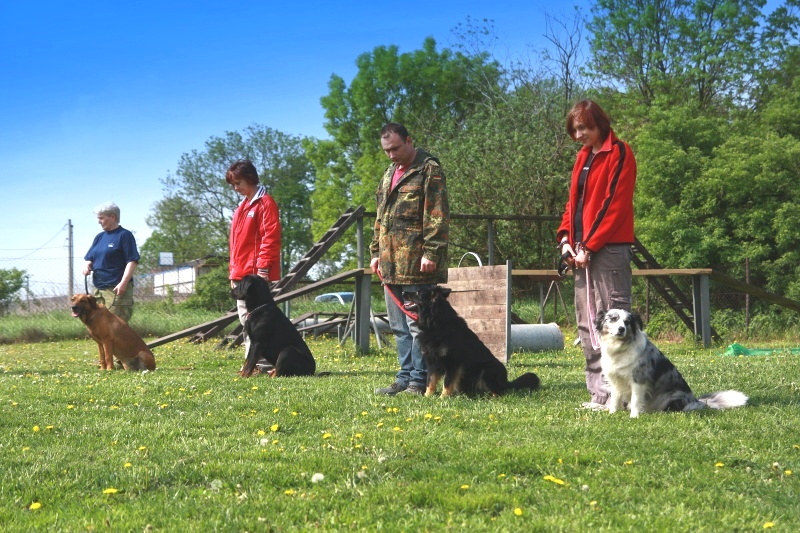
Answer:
x=634 y=414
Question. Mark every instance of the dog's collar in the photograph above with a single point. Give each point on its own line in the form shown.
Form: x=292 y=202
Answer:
x=257 y=309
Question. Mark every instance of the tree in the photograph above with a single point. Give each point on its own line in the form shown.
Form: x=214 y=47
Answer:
x=704 y=51
x=512 y=157
x=429 y=91
x=12 y=280
x=193 y=220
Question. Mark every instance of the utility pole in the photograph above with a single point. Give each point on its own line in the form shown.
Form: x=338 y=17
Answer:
x=70 y=266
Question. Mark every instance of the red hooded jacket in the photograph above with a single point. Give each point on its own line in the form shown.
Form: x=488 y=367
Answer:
x=607 y=196
x=255 y=238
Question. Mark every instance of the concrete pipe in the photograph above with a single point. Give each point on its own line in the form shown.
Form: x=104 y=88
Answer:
x=535 y=337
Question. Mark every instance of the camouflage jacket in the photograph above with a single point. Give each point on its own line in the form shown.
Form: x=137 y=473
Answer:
x=412 y=222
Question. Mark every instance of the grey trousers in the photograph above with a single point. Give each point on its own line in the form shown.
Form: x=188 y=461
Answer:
x=611 y=280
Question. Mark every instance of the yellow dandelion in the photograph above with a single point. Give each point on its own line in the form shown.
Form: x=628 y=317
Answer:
x=327 y=436
x=289 y=492
x=593 y=503
x=380 y=424
x=629 y=462
x=768 y=525
x=49 y=427
x=358 y=436
x=164 y=405
x=464 y=487
x=364 y=413
x=560 y=461
x=142 y=448
x=70 y=406
x=294 y=413
x=719 y=465
x=111 y=490
x=261 y=432
x=428 y=416
x=274 y=427
x=35 y=506
x=277 y=409
x=254 y=387
x=26 y=448
x=127 y=465
x=396 y=429
x=35 y=428
x=555 y=480
x=787 y=472
x=518 y=511
x=500 y=476
x=206 y=393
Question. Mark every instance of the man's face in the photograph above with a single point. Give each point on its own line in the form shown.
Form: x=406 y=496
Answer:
x=401 y=152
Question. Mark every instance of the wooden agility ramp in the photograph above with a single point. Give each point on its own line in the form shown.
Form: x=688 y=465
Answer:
x=482 y=296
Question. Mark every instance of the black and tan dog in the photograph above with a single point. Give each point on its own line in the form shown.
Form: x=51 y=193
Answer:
x=114 y=336
x=454 y=352
x=272 y=335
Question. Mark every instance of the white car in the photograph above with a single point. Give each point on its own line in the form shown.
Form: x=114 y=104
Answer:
x=338 y=297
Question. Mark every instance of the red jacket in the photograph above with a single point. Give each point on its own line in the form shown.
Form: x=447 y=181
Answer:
x=607 y=196
x=255 y=239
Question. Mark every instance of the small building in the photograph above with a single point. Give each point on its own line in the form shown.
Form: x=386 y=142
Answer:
x=181 y=279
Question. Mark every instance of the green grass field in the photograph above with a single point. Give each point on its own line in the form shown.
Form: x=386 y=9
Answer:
x=193 y=447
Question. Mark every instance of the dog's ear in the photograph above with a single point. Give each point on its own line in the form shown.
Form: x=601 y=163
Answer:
x=444 y=292
x=636 y=320
x=598 y=320
x=92 y=301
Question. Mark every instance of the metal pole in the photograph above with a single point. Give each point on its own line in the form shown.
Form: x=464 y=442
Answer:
x=70 y=266
x=490 y=240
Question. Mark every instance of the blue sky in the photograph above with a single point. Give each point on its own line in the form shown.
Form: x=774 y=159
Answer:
x=99 y=100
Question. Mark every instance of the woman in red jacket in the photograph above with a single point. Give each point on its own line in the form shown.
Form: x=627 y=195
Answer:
x=255 y=239
x=596 y=231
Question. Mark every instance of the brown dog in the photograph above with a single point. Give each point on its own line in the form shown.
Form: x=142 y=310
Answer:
x=114 y=337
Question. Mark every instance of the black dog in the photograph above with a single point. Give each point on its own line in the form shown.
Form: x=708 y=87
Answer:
x=453 y=351
x=272 y=335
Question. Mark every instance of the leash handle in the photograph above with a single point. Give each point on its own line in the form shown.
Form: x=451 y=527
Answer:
x=394 y=298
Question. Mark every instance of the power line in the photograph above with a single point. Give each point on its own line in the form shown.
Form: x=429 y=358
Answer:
x=34 y=250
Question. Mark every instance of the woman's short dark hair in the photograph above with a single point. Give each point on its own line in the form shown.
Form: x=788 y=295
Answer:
x=591 y=115
x=242 y=170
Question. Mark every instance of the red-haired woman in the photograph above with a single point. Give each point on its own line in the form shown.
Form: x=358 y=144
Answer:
x=596 y=230
x=255 y=238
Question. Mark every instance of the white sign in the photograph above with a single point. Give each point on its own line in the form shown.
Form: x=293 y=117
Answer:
x=165 y=259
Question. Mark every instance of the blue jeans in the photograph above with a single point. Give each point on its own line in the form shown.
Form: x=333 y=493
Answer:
x=412 y=364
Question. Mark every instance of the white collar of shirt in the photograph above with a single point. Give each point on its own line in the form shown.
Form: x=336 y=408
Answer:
x=259 y=193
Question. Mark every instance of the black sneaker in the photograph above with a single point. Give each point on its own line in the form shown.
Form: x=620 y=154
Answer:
x=392 y=389
x=415 y=388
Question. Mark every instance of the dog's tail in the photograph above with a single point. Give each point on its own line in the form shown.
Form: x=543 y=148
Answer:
x=725 y=399
x=528 y=380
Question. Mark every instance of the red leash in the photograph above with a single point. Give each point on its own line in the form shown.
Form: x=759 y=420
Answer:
x=394 y=298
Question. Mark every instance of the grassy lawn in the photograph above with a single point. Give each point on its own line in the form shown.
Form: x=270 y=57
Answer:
x=192 y=447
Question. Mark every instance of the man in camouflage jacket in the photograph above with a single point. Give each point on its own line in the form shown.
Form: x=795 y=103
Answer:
x=409 y=246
